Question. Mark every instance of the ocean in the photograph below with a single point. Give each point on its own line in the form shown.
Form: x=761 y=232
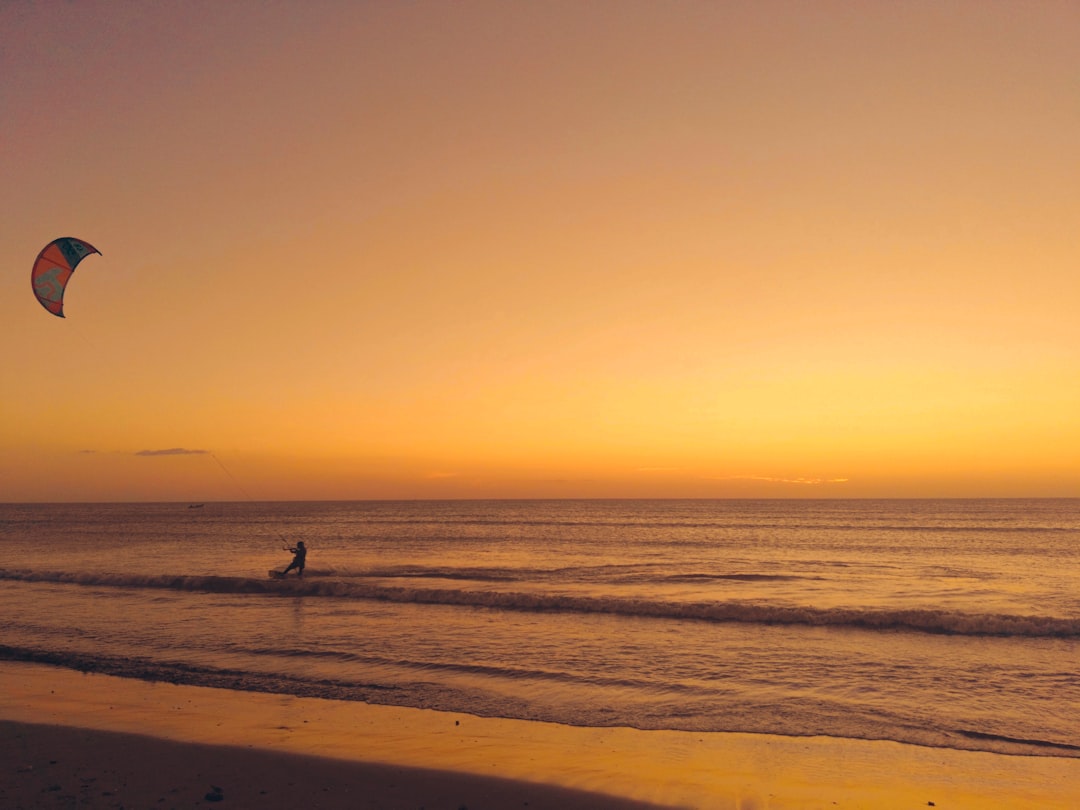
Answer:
x=945 y=623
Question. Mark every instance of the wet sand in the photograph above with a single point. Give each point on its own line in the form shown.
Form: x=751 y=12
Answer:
x=58 y=766
x=74 y=740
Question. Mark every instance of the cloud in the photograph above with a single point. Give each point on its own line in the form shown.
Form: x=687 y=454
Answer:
x=770 y=480
x=173 y=451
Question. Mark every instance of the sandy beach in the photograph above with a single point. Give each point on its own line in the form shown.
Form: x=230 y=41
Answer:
x=58 y=766
x=79 y=740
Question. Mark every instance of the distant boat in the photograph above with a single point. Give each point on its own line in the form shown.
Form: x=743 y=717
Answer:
x=195 y=506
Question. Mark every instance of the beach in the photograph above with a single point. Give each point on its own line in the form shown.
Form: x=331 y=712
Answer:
x=753 y=655
x=82 y=740
x=61 y=766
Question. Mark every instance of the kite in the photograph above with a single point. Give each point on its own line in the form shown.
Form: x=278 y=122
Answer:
x=53 y=267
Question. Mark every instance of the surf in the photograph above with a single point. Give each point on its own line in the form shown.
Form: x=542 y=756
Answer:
x=318 y=584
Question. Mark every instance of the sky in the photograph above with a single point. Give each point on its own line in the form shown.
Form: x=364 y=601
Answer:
x=366 y=250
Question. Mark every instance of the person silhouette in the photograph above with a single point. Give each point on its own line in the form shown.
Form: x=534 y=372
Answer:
x=299 y=558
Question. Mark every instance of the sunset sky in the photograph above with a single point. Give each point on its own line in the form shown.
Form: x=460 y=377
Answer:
x=553 y=249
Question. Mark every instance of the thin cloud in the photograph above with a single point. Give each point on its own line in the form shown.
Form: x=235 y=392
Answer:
x=173 y=451
x=771 y=480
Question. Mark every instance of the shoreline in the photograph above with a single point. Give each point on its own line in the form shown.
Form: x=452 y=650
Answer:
x=315 y=752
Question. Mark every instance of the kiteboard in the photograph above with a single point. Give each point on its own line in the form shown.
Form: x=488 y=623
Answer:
x=275 y=574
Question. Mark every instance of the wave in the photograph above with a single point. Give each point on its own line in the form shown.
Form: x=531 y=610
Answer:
x=500 y=672
x=983 y=523
x=913 y=620
x=615 y=573
x=694 y=578
x=191 y=674
x=475 y=574
x=982 y=735
x=431 y=695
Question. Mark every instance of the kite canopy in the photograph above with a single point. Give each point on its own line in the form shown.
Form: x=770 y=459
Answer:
x=53 y=267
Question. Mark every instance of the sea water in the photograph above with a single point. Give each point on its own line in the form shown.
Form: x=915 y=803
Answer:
x=950 y=623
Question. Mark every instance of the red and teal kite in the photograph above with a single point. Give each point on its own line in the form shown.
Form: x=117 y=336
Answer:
x=53 y=267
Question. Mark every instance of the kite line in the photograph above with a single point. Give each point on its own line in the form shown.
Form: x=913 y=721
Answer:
x=235 y=480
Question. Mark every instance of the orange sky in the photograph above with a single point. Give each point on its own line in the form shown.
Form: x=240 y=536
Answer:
x=559 y=249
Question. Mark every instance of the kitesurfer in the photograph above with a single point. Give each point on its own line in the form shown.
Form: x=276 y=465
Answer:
x=299 y=552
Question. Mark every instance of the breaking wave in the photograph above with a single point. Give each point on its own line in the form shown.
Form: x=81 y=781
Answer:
x=915 y=620
x=427 y=694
